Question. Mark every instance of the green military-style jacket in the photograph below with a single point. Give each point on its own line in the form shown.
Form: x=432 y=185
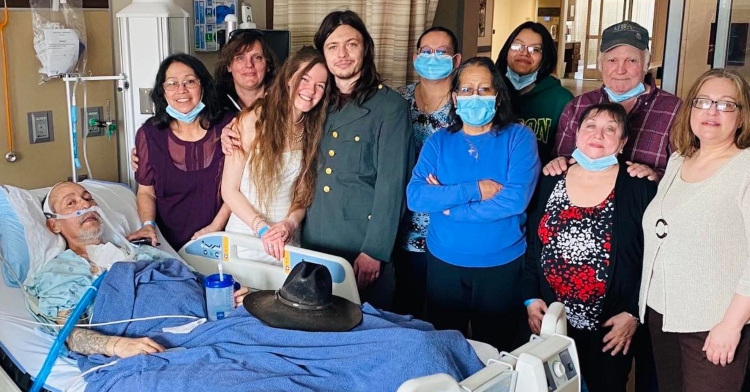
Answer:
x=366 y=158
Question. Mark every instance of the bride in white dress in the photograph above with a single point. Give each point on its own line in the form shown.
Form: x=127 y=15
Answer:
x=268 y=182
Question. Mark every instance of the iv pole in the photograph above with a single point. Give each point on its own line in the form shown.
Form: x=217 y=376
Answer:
x=122 y=84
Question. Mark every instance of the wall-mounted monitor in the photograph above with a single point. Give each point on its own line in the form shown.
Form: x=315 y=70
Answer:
x=280 y=43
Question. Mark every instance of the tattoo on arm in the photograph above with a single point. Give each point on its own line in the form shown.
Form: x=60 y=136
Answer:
x=84 y=341
x=87 y=342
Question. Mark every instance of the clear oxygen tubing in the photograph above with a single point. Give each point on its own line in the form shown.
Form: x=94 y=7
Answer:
x=70 y=323
x=8 y=124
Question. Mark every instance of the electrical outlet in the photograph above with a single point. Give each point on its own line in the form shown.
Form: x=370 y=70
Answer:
x=40 y=127
x=93 y=113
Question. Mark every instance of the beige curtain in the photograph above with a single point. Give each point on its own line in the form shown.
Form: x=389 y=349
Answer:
x=395 y=26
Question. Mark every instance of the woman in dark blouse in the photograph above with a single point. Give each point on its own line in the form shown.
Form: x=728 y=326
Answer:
x=180 y=155
x=585 y=248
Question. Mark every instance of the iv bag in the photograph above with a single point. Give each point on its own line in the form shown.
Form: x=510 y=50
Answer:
x=59 y=36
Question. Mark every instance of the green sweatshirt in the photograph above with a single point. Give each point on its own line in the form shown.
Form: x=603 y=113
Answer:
x=540 y=108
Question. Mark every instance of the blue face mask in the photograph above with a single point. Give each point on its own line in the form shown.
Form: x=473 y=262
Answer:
x=597 y=164
x=521 y=82
x=476 y=110
x=188 y=117
x=634 y=92
x=433 y=66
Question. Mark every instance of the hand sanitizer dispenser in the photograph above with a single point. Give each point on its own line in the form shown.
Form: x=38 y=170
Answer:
x=247 y=18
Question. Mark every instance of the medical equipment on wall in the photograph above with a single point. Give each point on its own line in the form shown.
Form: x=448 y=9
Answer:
x=547 y=363
x=73 y=110
x=209 y=20
x=150 y=31
x=11 y=156
x=59 y=36
x=247 y=21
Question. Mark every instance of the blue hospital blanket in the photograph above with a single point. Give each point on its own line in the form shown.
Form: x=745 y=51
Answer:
x=240 y=353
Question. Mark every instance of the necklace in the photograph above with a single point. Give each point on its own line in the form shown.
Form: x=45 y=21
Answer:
x=473 y=150
x=430 y=107
x=295 y=138
x=300 y=120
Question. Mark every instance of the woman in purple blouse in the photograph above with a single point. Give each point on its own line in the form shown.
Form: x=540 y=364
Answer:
x=180 y=158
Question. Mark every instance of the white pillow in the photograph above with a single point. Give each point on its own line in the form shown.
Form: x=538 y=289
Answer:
x=44 y=244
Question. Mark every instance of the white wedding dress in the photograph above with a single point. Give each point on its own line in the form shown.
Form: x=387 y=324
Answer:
x=278 y=208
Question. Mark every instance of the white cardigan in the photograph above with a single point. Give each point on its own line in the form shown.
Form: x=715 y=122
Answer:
x=705 y=255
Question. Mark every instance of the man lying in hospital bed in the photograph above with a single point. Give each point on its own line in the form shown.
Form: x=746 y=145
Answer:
x=61 y=283
x=239 y=353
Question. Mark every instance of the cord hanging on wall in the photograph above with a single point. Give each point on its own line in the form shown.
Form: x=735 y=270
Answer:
x=11 y=156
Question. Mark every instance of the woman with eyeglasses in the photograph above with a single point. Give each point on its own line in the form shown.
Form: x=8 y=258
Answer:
x=180 y=155
x=245 y=69
x=269 y=182
x=436 y=57
x=475 y=179
x=695 y=287
x=527 y=60
x=585 y=249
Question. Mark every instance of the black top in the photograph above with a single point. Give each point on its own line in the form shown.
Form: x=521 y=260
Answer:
x=624 y=270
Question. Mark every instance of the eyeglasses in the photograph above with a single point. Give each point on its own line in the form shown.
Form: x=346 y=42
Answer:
x=531 y=49
x=190 y=84
x=438 y=51
x=722 y=106
x=467 y=91
x=251 y=32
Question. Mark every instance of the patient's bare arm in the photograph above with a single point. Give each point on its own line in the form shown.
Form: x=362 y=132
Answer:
x=88 y=342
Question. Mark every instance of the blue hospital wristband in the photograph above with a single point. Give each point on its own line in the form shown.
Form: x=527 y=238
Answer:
x=262 y=231
x=148 y=222
x=529 y=302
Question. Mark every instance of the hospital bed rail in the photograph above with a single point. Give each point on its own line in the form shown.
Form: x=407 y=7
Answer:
x=207 y=251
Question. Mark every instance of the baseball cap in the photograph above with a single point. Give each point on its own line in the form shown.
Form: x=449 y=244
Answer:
x=624 y=33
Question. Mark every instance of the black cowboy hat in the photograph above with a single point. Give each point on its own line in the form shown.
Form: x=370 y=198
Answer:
x=305 y=302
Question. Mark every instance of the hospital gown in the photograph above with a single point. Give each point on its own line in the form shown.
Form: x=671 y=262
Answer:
x=61 y=282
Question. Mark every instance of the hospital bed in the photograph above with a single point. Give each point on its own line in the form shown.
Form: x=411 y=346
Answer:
x=23 y=348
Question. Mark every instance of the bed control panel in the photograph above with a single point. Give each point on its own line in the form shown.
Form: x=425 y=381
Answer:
x=559 y=370
x=546 y=364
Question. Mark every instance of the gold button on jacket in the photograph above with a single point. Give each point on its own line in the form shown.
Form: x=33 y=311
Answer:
x=367 y=154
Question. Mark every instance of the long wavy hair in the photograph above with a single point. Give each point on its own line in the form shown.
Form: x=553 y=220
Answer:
x=209 y=116
x=275 y=122
x=367 y=84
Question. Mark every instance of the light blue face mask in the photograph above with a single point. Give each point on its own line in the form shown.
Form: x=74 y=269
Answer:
x=433 y=66
x=521 y=82
x=188 y=117
x=597 y=164
x=632 y=93
x=476 y=110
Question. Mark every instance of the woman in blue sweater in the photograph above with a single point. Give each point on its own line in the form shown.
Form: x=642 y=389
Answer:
x=475 y=179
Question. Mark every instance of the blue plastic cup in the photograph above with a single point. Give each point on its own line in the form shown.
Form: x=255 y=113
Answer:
x=219 y=295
